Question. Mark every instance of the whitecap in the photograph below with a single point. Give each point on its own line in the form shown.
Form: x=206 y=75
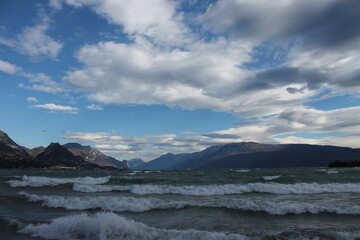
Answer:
x=108 y=203
x=226 y=189
x=35 y=181
x=270 y=178
x=110 y=226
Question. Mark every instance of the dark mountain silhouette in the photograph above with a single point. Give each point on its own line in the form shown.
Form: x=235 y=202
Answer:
x=91 y=155
x=254 y=155
x=57 y=155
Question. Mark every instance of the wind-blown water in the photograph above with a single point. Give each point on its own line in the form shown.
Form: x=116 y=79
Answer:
x=172 y=205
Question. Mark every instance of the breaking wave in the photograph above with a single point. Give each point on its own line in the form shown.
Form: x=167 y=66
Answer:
x=208 y=190
x=49 y=181
x=270 y=178
x=131 y=204
x=110 y=226
x=117 y=204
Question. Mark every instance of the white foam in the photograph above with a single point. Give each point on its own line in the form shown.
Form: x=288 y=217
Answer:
x=35 y=181
x=332 y=171
x=242 y=170
x=110 y=226
x=270 y=178
x=99 y=188
x=121 y=204
x=287 y=207
x=108 y=203
x=208 y=190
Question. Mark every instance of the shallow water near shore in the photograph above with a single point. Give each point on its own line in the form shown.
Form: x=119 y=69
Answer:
x=307 y=203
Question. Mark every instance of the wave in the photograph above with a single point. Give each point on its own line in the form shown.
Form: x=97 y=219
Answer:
x=209 y=190
x=110 y=226
x=117 y=204
x=270 y=178
x=242 y=170
x=34 y=181
x=131 y=204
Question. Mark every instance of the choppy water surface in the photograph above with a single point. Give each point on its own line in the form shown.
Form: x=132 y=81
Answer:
x=164 y=205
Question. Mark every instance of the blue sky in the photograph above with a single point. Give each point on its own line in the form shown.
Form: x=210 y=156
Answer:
x=146 y=77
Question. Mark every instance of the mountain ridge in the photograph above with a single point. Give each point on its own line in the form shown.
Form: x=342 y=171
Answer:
x=94 y=156
x=254 y=155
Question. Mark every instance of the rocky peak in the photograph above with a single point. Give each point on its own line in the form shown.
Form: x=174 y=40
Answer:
x=11 y=147
x=56 y=149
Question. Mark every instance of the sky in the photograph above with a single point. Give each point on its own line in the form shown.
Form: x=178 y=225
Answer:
x=141 y=78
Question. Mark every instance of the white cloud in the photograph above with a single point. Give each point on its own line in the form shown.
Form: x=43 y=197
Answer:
x=94 y=107
x=54 y=107
x=41 y=82
x=206 y=76
x=113 y=147
x=209 y=74
x=8 y=67
x=33 y=40
x=99 y=137
x=32 y=99
x=157 y=19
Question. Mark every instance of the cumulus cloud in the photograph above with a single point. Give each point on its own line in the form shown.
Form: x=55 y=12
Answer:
x=8 y=67
x=207 y=76
x=325 y=36
x=211 y=74
x=157 y=20
x=60 y=108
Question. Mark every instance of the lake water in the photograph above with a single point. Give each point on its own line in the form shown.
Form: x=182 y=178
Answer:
x=311 y=203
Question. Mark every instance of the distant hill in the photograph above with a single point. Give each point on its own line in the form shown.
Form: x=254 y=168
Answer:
x=35 y=151
x=135 y=163
x=91 y=155
x=254 y=155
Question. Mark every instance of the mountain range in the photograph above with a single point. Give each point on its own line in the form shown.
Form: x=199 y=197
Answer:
x=67 y=156
x=254 y=155
x=225 y=156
